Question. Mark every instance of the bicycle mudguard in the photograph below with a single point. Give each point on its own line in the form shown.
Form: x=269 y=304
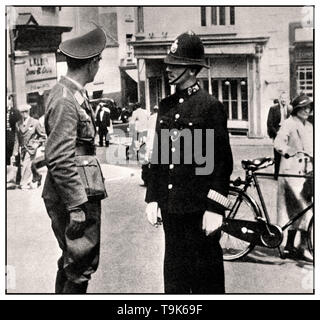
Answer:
x=253 y=232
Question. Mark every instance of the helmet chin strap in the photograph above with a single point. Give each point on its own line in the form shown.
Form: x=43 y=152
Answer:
x=176 y=79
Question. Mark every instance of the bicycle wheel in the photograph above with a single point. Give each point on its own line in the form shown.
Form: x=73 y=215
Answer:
x=311 y=236
x=243 y=208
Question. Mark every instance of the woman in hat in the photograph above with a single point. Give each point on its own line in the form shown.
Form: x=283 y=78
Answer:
x=293 y=142
x=29 y=135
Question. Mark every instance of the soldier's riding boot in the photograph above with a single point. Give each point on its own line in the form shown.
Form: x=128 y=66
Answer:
x=75 y=288
x=61 y=279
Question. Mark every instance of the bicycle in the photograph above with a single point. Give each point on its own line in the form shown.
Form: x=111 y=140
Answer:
x=247 y=224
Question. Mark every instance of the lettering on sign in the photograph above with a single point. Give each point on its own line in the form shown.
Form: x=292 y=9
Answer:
x=41 y=67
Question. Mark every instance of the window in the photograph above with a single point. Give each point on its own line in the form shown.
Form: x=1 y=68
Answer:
x=140 y=22
x=233 y=93
x=232 y=15
x=49 y=10
x=214 y=15
x=305 y=80
x=220 y=16
x=203 y=13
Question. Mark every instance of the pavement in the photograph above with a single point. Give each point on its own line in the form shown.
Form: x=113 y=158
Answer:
x=132 y=250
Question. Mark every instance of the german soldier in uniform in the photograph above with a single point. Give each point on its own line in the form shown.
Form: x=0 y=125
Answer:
x=191 y=204
x=74 y=184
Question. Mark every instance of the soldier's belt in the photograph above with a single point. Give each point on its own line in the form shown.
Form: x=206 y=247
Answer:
x=219 y=198
x=85 y=150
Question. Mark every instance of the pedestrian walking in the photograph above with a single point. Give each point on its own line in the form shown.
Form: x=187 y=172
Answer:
x=28 y=138
x=74 y=185
x=191 y=204
x=278 y=113
x=294 y=136
x=103 y=122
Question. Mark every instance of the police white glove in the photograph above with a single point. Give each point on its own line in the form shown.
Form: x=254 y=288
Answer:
x=154 y=214
x=211 y=222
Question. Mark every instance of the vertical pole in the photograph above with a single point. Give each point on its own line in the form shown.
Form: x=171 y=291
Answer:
x=12 y=61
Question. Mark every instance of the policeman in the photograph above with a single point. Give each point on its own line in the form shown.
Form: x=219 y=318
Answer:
x=70 y=127
x=191 y=204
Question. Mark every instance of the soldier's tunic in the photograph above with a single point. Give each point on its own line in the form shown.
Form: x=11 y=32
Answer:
x=70 y=128
x=193 y=262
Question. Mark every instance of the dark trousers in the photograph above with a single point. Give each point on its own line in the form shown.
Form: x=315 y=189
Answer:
x=277 y=159
x=193 y=262
x=80 y=257
x=103 y=134
x=10 y=144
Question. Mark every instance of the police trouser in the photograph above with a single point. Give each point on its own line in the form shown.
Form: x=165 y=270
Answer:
x=193 y=262
x=80 y=257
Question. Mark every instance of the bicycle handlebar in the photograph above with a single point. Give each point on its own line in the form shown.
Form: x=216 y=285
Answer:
x=287 y=156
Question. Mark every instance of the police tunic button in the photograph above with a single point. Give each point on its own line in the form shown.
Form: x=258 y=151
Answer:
x=171 y=166
x=161 y=121
x=173 y=149
x=190 y=124
x=177 y=116
x=170 y=186
x=181 y=100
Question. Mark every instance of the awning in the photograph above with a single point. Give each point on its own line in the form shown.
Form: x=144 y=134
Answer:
x=133 y=74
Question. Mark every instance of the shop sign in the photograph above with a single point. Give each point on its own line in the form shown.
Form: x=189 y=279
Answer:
x=304 y=54
x=40 y=86
x=40 y=67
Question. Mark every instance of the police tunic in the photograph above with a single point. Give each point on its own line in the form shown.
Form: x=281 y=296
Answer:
x=193 y=262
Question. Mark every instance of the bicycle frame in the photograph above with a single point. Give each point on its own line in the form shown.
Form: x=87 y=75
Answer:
x=261 y=199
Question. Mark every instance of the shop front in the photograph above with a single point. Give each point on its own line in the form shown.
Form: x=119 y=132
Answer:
x=233 y=76
x=35 y=61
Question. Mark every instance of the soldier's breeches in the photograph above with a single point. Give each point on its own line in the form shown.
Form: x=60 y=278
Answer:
x=80 y=257
x=193 y=262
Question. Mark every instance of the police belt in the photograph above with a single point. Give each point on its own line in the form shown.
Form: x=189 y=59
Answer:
x=85 y=150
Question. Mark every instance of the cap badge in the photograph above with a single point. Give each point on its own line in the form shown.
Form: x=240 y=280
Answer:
x=174 y=46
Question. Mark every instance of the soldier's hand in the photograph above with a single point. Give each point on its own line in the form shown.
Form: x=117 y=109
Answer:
x=77 y=224
x=154 y=214
x=211 y=222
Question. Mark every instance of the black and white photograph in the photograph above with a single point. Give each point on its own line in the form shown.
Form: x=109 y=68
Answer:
x=159 y=150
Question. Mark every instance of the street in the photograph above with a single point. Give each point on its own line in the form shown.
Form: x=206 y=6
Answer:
x=131 y=249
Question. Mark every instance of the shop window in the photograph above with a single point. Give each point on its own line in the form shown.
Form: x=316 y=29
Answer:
x=233 y=93
x=305 y=80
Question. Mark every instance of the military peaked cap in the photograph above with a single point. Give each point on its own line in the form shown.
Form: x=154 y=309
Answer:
x=87 y=46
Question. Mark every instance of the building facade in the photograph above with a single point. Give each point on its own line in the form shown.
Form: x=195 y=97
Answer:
x=254 y=54
x=34 y=63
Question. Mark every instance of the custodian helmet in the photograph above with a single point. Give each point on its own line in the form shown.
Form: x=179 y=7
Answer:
x=187 y=50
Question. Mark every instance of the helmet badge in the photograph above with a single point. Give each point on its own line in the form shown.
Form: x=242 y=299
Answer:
x=174 y=46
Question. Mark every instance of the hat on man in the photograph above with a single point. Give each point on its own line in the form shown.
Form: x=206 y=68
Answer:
x=186 y=50
x=24 y=107
x=87 y=46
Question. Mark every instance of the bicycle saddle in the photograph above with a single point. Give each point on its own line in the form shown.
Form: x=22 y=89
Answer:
x=255 y=163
